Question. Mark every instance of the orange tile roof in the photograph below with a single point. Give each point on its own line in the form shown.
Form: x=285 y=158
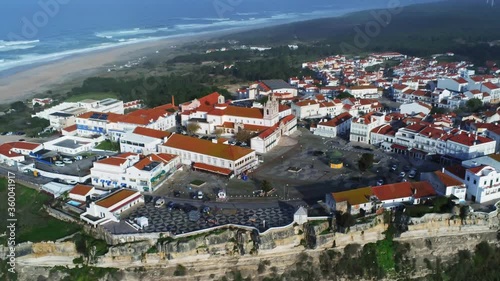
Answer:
x=229 y=152
x=213 y=169
x=81 y=189
x=113 y=161
x=244 y=112
x=162 y=157
x=447 y=180
x=116 y=197
x=151 y=132
x=355 y=196
x=254 y=128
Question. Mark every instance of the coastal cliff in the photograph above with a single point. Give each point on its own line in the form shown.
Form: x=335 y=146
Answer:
x=215 y=254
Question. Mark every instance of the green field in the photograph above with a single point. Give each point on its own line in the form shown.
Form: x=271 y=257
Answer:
x=108 y=145
x=92 y=96
x=33 y=224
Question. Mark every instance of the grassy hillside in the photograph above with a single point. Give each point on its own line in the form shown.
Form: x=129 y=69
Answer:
x=463 y=27
x=33 y=224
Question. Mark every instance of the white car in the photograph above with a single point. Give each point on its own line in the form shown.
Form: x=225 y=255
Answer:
x=200 y=195
x=59 y=164
x=402 y=174
x=160 y=202
x=67 y=161
x=71 y=182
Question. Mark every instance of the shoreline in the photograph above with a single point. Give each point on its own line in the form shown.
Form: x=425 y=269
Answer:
x=31 y=80
x=41 y=78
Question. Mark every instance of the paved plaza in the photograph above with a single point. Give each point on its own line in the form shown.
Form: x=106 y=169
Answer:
x=162 y=219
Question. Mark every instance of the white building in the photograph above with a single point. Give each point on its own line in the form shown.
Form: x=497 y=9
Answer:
x=414 y=108
x=362 y=126
x=142 y=140
x=453 y=84
x=445 y=185
x=339 y=125
x=132 y=171
x=109 y=208
x=481 y=177
x=75 y=109
x=269 y=138
x=114 y=126
x=363 y=91
x=267 y=87
x=81 y=192
x=211 y=156
x=72 y=145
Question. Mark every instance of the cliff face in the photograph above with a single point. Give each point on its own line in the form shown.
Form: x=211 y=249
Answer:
x=211 y=255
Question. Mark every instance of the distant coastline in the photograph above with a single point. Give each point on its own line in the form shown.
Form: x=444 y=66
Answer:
x=41 y=75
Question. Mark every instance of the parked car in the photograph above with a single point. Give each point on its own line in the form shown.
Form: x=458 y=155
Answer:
x=67 y=161
x=71 y=181
x=402 y=174
x=177 y=193
x=406 y=168
x=160 y=202
x=170 y=205
x=412 y=173
x=59 y=164
x=394 y=167
x=79 y=157
x=200 y=195
x=380 y=182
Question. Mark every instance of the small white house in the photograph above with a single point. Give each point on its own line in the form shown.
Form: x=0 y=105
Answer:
x=111 y=206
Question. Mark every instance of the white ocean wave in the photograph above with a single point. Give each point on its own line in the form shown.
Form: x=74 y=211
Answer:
x=17 y=43
x=6 y=46
x=43 y=58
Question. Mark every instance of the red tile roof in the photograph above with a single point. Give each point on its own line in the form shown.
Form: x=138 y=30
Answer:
x=423 y=189
x=81 y=189
x=490 y=85
x=393 y=191
x=469 y=139
x=447 y=180
x=151 y=133
x=5 y=150
x=71 y=128
x=339 y=119
x=24 y=145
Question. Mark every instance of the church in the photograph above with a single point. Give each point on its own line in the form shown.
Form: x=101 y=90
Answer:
x=213 y=113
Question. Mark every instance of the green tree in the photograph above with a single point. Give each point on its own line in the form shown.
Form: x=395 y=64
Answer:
x=474 y=105
x=266 y=186
x=344 y=95
x=365 y=162
x=18 y=106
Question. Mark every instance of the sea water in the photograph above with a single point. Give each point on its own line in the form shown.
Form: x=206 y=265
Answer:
x=33 y=32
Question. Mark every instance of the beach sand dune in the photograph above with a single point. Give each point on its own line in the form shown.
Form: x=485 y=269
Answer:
x=39 y=79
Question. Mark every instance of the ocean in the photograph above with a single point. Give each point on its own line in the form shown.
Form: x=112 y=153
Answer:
x=34 y=32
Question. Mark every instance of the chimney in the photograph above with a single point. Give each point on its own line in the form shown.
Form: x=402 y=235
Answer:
x=173 y=100
x=150 y=158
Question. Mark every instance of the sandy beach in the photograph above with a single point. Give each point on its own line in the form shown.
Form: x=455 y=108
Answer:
x=24 y=84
